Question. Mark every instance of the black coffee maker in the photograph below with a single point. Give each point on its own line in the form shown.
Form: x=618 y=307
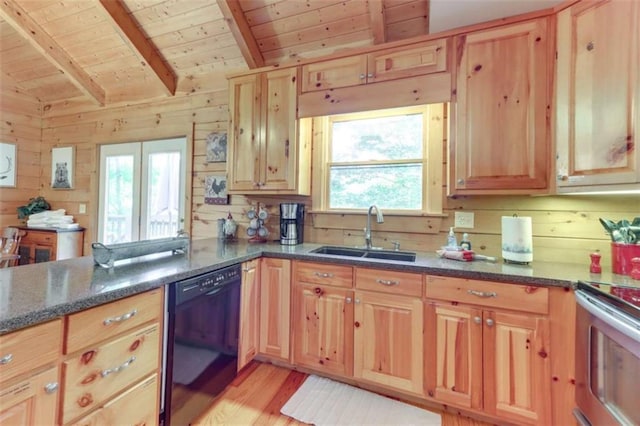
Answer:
x=291 y=223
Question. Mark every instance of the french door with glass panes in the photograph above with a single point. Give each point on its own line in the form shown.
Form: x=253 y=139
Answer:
x=142 y=190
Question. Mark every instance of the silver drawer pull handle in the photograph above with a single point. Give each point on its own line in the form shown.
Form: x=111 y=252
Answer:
x=483 y=293
x=51 y=387
x=6 y=359
x=323 y=274
x=387 y=282
x=119 y=368
x=121 y=318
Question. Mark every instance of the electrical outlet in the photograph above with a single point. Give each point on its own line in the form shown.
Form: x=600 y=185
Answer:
x=464 y=220
x=82 y=209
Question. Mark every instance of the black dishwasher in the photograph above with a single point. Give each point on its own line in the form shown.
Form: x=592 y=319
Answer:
x=201 y=343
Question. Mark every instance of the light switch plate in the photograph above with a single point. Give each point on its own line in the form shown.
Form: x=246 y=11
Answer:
x=464 y=220
x=82 y=209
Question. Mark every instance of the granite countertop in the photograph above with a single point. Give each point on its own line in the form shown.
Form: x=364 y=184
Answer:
x=36 y=293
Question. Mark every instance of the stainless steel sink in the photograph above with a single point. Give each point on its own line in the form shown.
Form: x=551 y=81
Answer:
x=402 y=256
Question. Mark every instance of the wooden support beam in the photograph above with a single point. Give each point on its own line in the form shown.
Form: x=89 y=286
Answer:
x=241 y=31
x=131 y=34
x=19 y=19
x=376 y=17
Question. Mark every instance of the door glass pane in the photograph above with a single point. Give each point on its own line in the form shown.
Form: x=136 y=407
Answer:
x=118 y=219
x=163 y=192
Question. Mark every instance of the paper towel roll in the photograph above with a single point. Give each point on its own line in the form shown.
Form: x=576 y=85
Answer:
x=517 y=240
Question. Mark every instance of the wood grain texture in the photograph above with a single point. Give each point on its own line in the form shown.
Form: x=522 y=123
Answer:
x=275 y=307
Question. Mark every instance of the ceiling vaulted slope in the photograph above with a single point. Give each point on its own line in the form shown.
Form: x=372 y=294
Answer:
x=125 y=51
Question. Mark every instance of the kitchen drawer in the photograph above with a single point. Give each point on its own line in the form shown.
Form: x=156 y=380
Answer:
x=393 y=282
x=322 y=273
x=489 y=294
x=32 y=347
x=40 y=238
x=89 y=327
x=92 y=377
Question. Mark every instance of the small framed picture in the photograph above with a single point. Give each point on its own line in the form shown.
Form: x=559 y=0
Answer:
x=62 y=163
x=8 y=164
x=215 y=190
x=216 y=147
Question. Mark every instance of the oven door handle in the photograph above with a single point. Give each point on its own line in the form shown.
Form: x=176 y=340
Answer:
x=622 y=323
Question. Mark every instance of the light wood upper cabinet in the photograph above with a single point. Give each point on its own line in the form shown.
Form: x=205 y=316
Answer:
x=598 y=96
x=249 y=313
x=383 y=65
x=323 y=317
x=486 y=358
x=501 y=141
x=275 y=307
x=269 y=150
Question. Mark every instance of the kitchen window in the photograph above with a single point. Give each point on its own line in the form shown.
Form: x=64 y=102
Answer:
x=391 y=158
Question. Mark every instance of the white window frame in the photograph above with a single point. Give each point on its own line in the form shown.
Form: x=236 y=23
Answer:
x=434 y=119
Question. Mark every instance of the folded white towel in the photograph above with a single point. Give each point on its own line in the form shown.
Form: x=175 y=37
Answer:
x=48 y=213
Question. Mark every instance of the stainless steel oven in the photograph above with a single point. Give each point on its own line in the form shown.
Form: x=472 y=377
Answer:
x=607 y=359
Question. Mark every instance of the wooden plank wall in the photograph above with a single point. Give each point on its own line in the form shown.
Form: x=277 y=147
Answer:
x=565 y=228
x=20 y=124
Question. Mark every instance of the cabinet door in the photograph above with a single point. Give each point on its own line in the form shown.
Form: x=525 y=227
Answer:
x=275 y=296
x=388 y=342
x=401 y=62
x=598 y=94
x=30 y=402
x=244 y=132
x=249 y=313
x=323 y=328
x=453 y=350
x=502 y=129
x=278 y=169
x=517 y=379
x=326 y=75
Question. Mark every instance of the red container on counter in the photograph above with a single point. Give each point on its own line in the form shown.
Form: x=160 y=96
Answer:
x=621 y=255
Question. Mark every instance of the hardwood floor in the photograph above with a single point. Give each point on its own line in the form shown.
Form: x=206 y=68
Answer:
x=256 y=396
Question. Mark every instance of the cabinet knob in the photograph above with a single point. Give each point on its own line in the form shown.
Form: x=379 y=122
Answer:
x=357 y=301
x=489 y=322
x=563 y=178
x=370 y=75
x=590 y=46
x=51 y=387
x=362 y=76
x=347 y=300
x=477 y=320
x=461 y=181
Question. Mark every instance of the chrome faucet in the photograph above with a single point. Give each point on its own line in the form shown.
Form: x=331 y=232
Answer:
x=367 y=230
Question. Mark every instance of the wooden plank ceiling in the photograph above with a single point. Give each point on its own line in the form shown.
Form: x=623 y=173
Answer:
x=115 y=51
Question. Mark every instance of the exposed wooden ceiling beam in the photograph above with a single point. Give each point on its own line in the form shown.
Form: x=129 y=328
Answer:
x=241 y=31
x=128 y=30
x=19 y=19
x=376 y=17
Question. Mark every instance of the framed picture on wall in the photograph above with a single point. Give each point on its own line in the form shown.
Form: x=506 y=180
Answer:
x=215 y=190
x=62 y=163
x=216 y=147
x=8 y=164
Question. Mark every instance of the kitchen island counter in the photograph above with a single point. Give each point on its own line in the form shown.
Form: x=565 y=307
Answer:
x=36 y=293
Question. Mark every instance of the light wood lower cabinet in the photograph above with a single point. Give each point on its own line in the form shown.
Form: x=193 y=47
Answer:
x=29 y=375
x=30 y=401
x=486 y=358
x=368 y=334
x=323 y=317
x=137 y=406
x=275 y=305
x=388 y=340
x=249 y=342
x=122 y=353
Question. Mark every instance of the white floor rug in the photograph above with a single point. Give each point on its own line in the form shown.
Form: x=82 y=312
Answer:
x=322 y=401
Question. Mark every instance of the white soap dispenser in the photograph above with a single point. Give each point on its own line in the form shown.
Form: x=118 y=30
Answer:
x=452 y=242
